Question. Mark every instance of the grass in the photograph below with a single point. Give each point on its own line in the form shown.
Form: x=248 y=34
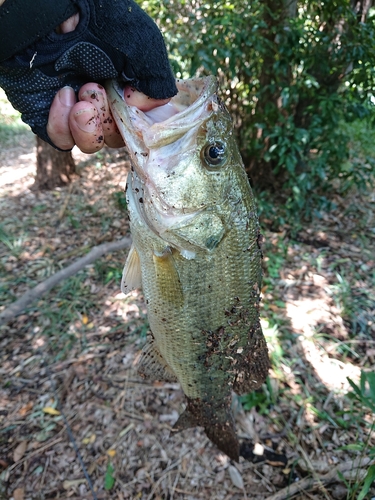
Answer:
x=11 y=125
x=356 y=303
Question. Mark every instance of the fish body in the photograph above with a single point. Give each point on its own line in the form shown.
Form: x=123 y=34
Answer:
x=196 y=254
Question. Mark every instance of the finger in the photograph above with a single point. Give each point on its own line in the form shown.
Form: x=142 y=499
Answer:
x=69 y=25
x=58 y=120
x=135 y=98
x=86 y=128
x=96 y=95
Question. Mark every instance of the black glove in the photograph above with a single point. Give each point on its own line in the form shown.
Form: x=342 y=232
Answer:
x=114 y=39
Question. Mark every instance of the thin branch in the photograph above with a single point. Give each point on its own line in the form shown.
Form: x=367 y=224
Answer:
x=310 y=483
x=33 y=453
x=34 y=293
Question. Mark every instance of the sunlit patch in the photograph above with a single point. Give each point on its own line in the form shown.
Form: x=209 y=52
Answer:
x=23 y=174
x=332 y=372
x=305 y=315
x=38 y=342
x=222 y=459
x=126 y=306
x=270 y=334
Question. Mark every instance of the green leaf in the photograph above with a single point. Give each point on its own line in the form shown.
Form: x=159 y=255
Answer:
x=369 y=479
x=352 y=447
x=371 y=382
x=355 y=387
x=109 y=480
x=341 y=476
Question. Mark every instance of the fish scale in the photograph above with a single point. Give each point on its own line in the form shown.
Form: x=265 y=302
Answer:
x=196 y=254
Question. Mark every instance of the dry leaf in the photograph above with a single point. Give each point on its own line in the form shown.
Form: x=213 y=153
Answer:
x=50 y=410
x=235 y=477
x=74 y=482
x=19 y=451
x=25 y=409
x=273 y=307
x=18 y=494
x=3 y=464
x=89 y=439
x=220 y=476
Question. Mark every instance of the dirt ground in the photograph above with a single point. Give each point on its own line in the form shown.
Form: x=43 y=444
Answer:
x=76 y=422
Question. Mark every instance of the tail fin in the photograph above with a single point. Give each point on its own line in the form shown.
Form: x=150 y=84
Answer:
x=217 y=422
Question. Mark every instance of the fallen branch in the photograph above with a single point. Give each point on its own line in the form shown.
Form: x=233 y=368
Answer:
x=34 y=293
x=313 y=482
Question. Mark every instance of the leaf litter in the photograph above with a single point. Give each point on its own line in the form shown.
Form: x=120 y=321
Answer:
x=68 y=361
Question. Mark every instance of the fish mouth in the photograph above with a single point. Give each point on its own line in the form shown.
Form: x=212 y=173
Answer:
x=192 y=105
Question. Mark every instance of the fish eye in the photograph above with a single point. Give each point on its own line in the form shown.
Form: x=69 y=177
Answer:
x=214 y=154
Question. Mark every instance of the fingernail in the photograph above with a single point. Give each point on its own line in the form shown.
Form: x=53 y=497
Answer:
x=86 y=120
x=67 y=96
x=92 y=96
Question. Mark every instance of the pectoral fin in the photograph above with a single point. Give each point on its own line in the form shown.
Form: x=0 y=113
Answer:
x=152 y=365
x=131 y=275
x=167 y=278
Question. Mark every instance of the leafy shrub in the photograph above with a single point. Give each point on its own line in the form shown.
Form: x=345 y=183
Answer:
x=290 y=77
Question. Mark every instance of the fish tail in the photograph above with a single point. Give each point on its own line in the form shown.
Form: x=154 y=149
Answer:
x=218 y=424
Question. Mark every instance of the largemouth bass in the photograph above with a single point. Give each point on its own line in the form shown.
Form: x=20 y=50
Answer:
x=196 y=254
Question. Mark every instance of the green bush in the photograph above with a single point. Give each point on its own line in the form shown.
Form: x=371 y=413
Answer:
x=290 y=77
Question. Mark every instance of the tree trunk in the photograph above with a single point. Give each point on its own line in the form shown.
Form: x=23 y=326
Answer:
x=53 y=168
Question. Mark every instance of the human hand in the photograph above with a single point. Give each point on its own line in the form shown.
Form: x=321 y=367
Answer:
x=88 y=123
x=104 y=39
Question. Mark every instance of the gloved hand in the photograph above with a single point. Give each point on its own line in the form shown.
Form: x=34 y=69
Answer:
x=113 y=39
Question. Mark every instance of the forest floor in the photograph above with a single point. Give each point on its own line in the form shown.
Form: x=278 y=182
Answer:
x=75 y=417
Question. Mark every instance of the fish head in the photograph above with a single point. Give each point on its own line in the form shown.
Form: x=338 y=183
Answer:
x=183 y=165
